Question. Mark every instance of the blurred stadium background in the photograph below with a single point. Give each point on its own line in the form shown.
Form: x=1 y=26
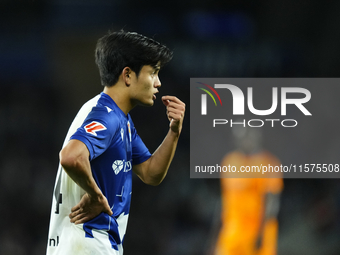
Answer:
x=47 y=72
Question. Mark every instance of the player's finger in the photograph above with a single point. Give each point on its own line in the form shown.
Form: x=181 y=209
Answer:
x=75 y=208
x=175 y=101
x=75 y=213
x=165 y=102
x=74 y=218
x=176 y=106
x=175 y=112
x=83 y=220
x=172 y=99
x=174 y=116
x=78 y=217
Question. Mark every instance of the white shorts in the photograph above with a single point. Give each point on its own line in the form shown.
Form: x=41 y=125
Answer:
x=72 y=241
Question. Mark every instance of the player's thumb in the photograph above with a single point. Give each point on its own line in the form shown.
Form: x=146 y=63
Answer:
x=108 y=210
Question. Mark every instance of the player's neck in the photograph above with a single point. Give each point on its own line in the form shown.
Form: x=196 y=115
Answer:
x=120 y=96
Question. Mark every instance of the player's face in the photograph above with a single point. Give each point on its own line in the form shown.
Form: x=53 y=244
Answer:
x=145 y=86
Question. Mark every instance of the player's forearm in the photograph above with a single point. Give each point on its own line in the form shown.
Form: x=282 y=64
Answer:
x=156 y=167
x=77 y=165
x=80 y=175
x=161 y=159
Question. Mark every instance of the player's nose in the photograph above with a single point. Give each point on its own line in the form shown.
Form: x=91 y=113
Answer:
x=157 y=82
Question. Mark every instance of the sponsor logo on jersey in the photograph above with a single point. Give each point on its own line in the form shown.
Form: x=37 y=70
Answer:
x=94 y=127
x=118 y=165
x=53 y=241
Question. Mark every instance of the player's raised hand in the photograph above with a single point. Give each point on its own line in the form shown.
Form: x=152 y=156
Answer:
x=88 y=208
x=175 y=110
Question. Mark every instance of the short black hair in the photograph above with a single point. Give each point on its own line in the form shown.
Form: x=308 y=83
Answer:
x=117 y=50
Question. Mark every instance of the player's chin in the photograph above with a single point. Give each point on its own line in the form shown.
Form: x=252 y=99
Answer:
x=147 y=103
x=151 y=103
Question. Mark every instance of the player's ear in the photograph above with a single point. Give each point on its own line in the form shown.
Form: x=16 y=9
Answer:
x=126 y=74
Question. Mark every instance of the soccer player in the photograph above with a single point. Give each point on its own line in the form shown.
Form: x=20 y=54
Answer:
x=93 y=186
x=250 y=204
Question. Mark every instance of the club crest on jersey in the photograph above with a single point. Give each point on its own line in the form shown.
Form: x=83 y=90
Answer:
x=94 y=127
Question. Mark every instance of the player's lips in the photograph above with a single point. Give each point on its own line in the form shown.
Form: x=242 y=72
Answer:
x=154 y=95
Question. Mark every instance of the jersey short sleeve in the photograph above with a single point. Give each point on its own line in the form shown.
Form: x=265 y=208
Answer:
x=97 y=131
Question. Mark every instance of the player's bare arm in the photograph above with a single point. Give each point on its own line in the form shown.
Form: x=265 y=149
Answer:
x=75 y=160
x=156 y=167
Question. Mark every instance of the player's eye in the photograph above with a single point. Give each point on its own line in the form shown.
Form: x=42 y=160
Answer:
x=155 y=72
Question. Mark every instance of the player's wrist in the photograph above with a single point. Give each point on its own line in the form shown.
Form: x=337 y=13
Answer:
x=96 y=196
x=174 y=132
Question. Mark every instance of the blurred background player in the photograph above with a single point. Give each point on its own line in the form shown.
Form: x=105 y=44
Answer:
x=250 y=203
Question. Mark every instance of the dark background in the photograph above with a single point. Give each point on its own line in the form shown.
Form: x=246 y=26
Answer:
x=47 y=72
